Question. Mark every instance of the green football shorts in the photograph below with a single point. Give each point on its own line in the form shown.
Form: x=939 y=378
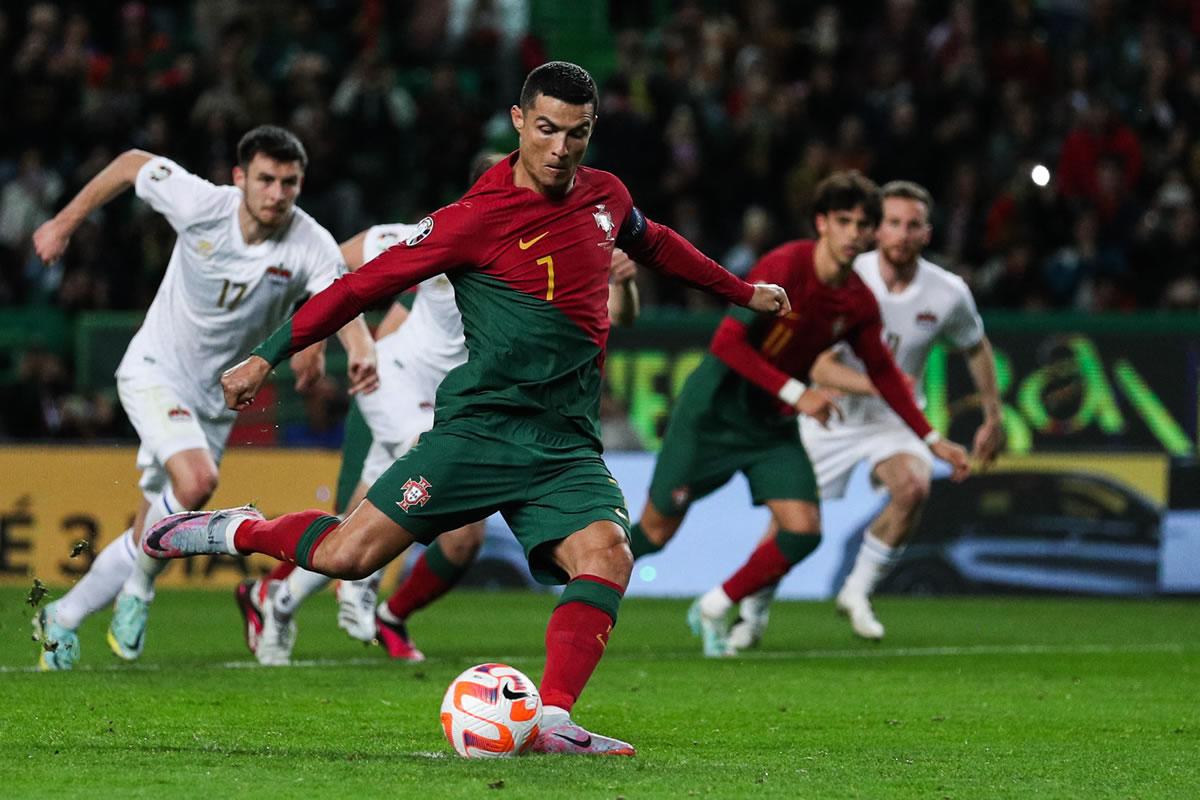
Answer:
x=698 y=457
x=547 y=485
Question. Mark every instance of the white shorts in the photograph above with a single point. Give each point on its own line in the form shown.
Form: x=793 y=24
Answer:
x=401 y=409
x=837 y=450
x=166 y=424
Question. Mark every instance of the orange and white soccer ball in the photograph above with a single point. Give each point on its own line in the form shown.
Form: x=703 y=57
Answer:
x=491 y=711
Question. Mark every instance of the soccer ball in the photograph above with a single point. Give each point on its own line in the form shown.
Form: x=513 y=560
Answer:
x=491 y=711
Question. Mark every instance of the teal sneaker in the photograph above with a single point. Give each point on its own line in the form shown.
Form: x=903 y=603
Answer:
x=127 y=631
x=713 y=633
x=60 y=646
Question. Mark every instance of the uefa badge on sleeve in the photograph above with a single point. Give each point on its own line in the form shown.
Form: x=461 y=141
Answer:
x=424 y=228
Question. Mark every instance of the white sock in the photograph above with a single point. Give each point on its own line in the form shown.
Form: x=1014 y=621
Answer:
x=553 y=715
x=99 y=585
x=715 y=603
x=140 y=582
x=875 y=560
x=296 y=588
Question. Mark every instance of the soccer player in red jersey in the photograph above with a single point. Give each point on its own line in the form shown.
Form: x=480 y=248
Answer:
x=736 y=412
x=516 y=428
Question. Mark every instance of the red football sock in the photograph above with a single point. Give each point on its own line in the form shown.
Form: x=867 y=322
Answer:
x=292 y=537
x=575 y=641
x=766 y=565
x=420 y=588
x=281 y=571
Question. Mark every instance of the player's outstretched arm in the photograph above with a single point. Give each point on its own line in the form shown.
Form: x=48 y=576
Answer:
x=361 y=365
x=354 y=254
x=989 y=437
x=662 y=249
x=51 y=238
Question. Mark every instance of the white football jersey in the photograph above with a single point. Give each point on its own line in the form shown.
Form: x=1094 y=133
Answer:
x=936 y=306
x=433 y=331
x=220 y=297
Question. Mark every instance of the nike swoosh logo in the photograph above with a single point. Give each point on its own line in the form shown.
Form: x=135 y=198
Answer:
x=511 y=695
x=584 y=742
x=524 y=245
x=158 y=535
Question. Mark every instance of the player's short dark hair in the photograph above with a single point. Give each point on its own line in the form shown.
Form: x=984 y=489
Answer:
x=909 y=190
x=272 y=141
x=481 y=163
x=847 y=190
x=561 y=80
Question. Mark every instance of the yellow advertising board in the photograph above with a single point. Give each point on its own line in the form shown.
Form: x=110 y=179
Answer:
x=51 y=498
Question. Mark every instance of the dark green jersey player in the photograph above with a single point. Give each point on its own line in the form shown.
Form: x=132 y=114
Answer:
x=528 y=250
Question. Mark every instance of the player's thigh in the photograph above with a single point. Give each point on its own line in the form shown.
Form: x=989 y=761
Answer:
x=782 y=472
x=566 y=494
x=904 y=471
x=691 y=464
x=166 y=424
x=193 y=475
x=452 y=477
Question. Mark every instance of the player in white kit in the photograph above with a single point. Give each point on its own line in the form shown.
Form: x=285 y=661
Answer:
x=413 y=359
x=921 y=304
x=243 y=257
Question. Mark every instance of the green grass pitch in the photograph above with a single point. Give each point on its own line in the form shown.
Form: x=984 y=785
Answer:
x=967 y=698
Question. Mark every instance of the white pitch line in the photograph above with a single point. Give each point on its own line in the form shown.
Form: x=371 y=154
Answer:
x=770 y=655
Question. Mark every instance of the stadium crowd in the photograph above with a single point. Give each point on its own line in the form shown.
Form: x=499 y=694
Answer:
x=720 y=116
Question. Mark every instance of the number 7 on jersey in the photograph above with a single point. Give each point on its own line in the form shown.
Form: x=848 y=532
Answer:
x=549 y=262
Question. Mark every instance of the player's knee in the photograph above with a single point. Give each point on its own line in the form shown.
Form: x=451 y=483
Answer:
x=617 y=558
x=461 y=549
x=911 y=492
x=194 y=489
x=658 y=527
x=344 y=563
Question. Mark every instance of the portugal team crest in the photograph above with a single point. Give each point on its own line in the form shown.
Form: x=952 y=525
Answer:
x=414 y=493
x=604 y=221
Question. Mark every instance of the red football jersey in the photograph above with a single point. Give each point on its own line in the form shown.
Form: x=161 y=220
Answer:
x=768 y=352
x=530 y=275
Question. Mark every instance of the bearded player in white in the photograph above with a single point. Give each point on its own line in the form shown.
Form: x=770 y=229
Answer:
x=244 y=256
x=415 y=350
x=921 y=304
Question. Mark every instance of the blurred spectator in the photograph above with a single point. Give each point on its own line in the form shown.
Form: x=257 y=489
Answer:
x=718 y=115
x=26 y=201
x=40 y=404
x=756 y=233
x=325 y=405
